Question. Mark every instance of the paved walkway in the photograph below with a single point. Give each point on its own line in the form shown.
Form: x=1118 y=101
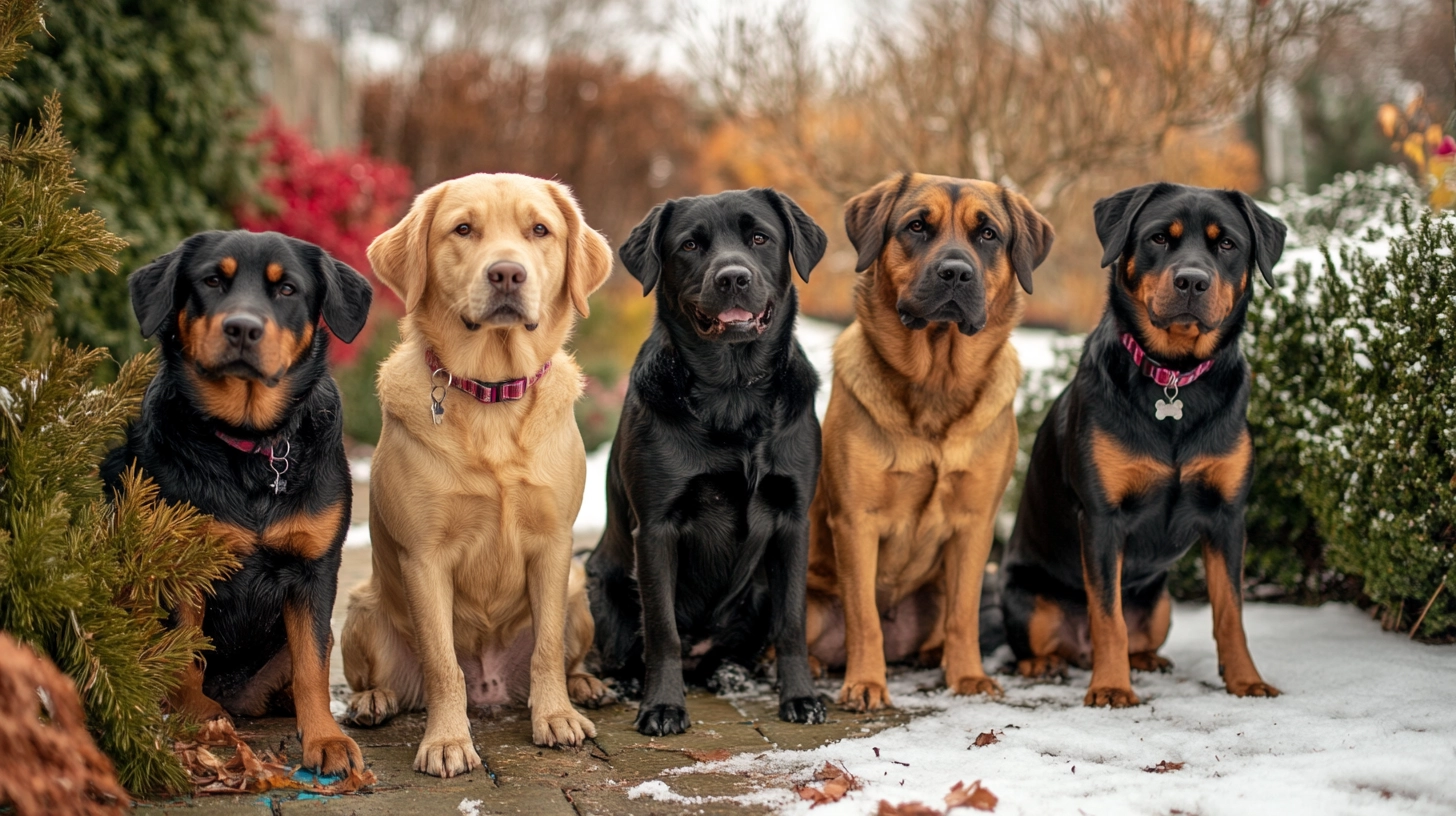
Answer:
x=518 y=777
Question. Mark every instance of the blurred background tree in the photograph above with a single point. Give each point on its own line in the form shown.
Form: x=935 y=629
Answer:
x=158 y=98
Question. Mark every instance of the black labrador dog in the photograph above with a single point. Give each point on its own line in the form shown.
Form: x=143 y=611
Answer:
x=243 y=421
x=705 y=553
x=1147 y=452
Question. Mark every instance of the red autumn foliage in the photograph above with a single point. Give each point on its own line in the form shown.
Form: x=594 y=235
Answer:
x=340 y=200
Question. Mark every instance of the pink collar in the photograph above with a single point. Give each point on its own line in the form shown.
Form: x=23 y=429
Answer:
x=1160 y=374
x=260 y=447
x=487 y=392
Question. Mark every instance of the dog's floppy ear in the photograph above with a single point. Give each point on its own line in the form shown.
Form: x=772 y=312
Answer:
x=867 y=218
x=154 y=295
x=641 y=253
x=588 y=258
x=1115 y=214
x=347 y=294
x=401 y=256
x=1031 y=236
x=807 y=240
x=1267 y=233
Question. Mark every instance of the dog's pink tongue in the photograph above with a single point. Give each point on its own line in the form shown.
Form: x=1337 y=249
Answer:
x=735 y=315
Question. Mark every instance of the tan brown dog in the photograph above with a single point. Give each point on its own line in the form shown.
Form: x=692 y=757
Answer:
x=920 y=435
x=471 y=505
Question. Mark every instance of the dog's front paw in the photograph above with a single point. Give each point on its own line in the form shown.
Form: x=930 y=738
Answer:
x=803 y=710
x=864 y=695
x=332 y=755
x=563 y=728
x=661 y=720
x=1149 y=662
x=1037 y=667
x=1257 y=688
x=1111 y=696
x=371 y=708
x=446 y=756
x=588 y=692
x=966 y=686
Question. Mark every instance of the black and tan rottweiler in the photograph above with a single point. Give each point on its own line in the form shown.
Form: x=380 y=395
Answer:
x=1147 y=451
x=243 y=421
x=708 y=486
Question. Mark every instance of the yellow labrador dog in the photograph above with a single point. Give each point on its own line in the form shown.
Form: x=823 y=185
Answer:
x=479 y=471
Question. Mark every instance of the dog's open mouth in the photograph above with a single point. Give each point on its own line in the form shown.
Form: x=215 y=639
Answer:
x=736 y=319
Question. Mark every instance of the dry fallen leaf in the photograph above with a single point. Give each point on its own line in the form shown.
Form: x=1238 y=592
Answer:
x=246 y=772
x=715 y=755
x=987 y=738
x=907 y=809
x=836 y=783
x=972 y=796
x=1165 y=767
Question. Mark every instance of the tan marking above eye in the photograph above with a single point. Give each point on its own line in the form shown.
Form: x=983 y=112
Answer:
x=275 y=272
x=228 y=266
x=1211 y=231
x=1175 y=229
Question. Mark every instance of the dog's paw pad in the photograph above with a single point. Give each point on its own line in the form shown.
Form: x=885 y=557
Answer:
x=976 y=685
x=1111 y=696
x=332 y=755
x=865 y=696
x=809 y=710
x=1037 y=667
x=662 y=720
x=561 y=729
x=1149 y=662
x=1256 y=689
x=371 y=708
x=447 y=757
x=588 y=692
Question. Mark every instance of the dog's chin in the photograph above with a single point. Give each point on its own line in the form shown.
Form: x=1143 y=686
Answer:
x=501 y=317
x=238 y=369
x=732 y=325
x=914 y=319
x=1184 y=321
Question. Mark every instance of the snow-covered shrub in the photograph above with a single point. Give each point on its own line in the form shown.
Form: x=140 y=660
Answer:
x=1354 y=402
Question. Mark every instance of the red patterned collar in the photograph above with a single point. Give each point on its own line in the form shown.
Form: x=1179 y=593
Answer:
x=505 y=391
x=1161 y=374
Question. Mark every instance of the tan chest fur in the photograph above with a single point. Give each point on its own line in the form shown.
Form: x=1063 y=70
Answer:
x=490 y=487
x=932 y=468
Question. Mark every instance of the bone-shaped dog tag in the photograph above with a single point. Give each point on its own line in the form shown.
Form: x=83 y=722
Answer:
x=1172 y=409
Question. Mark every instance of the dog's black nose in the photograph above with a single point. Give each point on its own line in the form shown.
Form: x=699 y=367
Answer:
x=1192 y=279
x=955 y=271
x=242 y=330
x=730 y=278
x=506 y=276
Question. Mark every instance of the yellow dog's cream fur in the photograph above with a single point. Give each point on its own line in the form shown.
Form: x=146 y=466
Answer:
x=471 y=519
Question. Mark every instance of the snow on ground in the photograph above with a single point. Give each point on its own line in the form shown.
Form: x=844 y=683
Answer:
x=1366 y=725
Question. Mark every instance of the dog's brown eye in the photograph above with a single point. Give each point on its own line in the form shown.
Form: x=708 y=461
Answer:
x=1160 y=239
x=690 y=246
x=286 y=289
x=759 y=239
x=540 y=230
x=462 y=229
x=1226 y=245
x=988 y=234
x=212 y=281
x=916 y=226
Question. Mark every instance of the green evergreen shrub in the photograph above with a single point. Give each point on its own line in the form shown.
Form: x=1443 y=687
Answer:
x=86 y=583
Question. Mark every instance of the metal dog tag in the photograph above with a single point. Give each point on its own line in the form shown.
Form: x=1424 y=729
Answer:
x=1172 y=409
x=437 y=411
x=437 y=394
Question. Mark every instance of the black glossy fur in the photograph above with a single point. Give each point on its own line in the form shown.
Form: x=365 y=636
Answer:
x=1064 y=501
x=175 y=441
x=705 y=552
